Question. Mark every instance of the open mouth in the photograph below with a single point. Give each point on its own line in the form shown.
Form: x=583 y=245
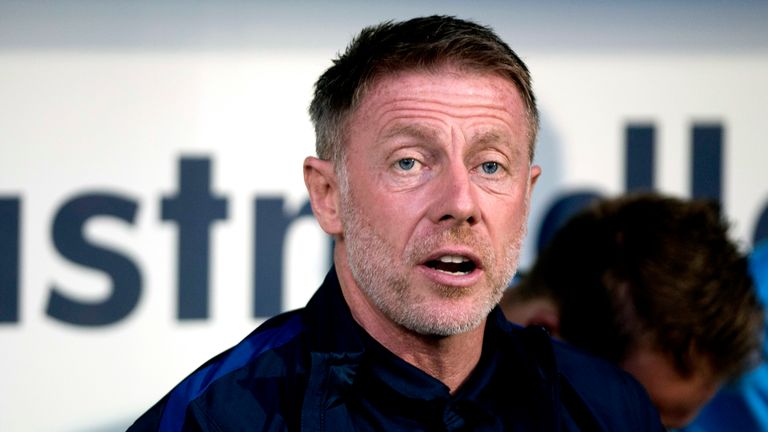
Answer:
x=452 y=264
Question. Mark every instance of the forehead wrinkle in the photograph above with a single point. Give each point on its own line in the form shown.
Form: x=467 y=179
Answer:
x=472 y=100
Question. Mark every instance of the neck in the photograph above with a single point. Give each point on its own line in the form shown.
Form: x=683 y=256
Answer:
x=449 y=359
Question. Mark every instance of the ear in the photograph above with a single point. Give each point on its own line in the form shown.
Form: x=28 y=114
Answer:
x=535 y=173
x=322 y=185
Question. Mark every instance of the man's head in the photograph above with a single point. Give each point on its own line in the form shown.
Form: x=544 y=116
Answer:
x=654 y=284
x=425 y=134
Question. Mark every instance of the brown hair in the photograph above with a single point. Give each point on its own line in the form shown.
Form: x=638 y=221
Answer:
x=425 y=43
x=654 y=268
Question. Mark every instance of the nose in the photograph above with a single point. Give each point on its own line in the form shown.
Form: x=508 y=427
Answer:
x=455 y=198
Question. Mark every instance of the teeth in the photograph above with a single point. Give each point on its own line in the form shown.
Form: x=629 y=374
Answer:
x=456 y=259
x=456 y=273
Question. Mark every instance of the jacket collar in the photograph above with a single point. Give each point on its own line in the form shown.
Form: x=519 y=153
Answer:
x=332 y=328
x=337 y=349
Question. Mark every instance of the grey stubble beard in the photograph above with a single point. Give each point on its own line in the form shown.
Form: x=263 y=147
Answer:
x=385 y=282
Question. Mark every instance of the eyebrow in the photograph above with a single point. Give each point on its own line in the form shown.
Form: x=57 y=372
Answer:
x=494 y=137
x=489 y=137
x=480 y=139
x=413 y=131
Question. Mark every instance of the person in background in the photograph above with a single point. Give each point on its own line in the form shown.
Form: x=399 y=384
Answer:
x=742 y=405
x=425 y=137
x=654 y=284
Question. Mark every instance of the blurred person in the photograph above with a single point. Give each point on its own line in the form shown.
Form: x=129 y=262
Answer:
x=425 y=138
x=742 y=405
x=655 y=285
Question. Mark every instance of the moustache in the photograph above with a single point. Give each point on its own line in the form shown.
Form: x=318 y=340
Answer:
x=462 y=236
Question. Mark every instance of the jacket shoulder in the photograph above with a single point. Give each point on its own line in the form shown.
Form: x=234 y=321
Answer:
x=248 y=378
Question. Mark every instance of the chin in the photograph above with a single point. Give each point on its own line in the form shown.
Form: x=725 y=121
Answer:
x=446 y=321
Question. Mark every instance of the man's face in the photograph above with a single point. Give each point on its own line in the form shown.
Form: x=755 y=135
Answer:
x=435 y=196
x=678 y=398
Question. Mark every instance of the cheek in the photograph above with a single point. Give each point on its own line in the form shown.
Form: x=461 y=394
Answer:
x=506 y=218
x=387 y=213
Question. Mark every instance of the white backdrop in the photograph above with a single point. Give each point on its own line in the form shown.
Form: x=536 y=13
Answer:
x=110 y=97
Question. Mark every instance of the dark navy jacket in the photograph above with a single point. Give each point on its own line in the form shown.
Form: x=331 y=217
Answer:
x=315 y=369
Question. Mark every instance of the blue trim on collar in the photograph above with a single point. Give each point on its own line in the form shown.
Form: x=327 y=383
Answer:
x=244 y=352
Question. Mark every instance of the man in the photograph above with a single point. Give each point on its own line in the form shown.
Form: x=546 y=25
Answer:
x=425 y=133
x=653 y=284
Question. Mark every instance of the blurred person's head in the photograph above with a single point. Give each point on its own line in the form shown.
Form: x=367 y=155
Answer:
x=655 y=285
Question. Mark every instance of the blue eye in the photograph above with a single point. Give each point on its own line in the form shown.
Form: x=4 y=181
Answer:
x=406 y=164
x=490 y=167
